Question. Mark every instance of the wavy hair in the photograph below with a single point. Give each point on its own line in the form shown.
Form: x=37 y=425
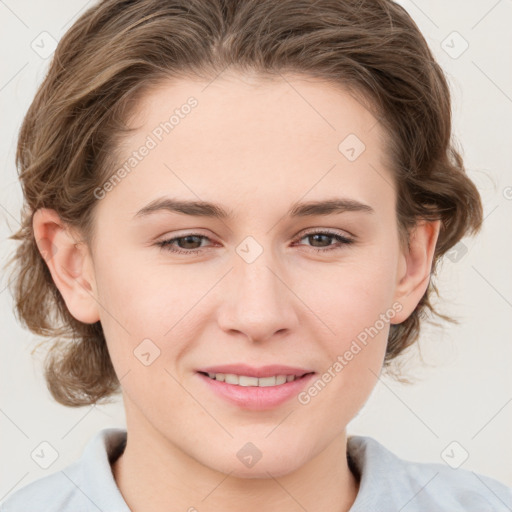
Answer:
x=118 y=50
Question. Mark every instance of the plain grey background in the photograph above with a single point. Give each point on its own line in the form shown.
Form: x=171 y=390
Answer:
x=460 y=410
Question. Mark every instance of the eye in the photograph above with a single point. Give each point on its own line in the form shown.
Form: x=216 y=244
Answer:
x=326 y=236
x=186 y=241
x=182 y=244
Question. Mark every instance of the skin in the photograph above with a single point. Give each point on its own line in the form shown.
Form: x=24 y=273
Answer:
x=256 y=147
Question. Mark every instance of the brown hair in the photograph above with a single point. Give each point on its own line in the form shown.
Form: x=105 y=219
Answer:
x=119 y=49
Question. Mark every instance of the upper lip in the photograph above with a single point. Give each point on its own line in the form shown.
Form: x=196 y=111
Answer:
x=251 y=371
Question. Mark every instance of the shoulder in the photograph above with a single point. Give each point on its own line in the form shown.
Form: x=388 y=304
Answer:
x=50 y=493
x=85 y=485
x=393 y=482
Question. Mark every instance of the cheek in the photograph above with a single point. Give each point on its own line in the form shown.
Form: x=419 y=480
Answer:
x=350 y=295
x=358 y=312
x=355 y=309
x=140 y=295
x=133 y=307
x=150 y=315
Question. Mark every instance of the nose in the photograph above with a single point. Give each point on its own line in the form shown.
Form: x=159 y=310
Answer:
x=256 y=300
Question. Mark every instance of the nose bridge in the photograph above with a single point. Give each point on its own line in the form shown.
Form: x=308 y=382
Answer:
x=257 y=301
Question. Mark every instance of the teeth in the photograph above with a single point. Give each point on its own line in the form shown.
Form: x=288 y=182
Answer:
x=245 y=380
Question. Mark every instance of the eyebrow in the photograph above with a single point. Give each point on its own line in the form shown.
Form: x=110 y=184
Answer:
x=208 y=209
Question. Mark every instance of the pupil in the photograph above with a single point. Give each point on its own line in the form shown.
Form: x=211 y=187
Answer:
x=319 y=235
x=188 y=239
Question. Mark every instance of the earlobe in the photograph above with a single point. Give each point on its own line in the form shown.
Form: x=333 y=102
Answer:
x=69 y=263
x=415 y=266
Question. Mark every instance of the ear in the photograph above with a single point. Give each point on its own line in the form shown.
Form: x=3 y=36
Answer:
x=69 y=262
x=415 y=264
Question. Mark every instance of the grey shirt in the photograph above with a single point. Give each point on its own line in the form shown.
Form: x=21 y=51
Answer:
x=387 y=483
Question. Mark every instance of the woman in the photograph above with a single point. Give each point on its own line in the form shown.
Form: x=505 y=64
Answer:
x=235 y=208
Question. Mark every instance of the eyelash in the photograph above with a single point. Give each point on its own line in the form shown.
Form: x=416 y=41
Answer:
x=343 y=240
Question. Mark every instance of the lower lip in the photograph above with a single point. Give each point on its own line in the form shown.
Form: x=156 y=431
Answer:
x=254 y=397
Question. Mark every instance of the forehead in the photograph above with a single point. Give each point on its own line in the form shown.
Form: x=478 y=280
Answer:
x=240 y=139
x=256 y=106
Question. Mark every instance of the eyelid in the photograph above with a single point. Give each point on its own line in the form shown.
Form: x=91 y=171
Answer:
x=327 y=231
x=342 y=241
x=299 y=236
x=182 y=233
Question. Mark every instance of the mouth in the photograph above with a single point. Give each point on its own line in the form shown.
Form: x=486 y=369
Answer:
x=255 y=389
x=252 y=381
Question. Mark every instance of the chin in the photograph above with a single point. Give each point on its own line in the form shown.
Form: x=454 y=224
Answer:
x=249 y=462
x=260 y=470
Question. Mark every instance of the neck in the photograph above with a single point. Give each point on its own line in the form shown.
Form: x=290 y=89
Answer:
x=156 y=476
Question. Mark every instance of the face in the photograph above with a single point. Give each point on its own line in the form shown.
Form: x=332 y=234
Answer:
x=269 y=283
